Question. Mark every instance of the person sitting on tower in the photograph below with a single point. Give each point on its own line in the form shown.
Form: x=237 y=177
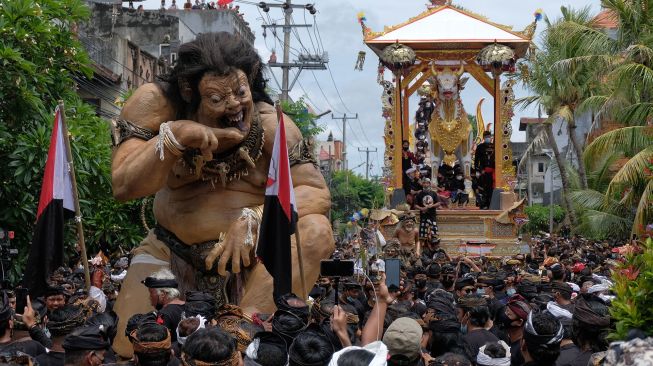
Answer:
x=484 y=163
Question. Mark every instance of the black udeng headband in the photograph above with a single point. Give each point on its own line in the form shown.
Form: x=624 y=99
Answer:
x=151 y=282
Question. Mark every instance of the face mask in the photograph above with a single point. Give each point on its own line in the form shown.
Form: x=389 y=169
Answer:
x=158 y=306
x=487 y=140
x=463 y=328
x=420 y=283
x=511 y=291
x=405 y=148
x=459 y=177
x=480 y=291
x=447 y=283
x=507 y=322
x=325 y=285
x=478 y=175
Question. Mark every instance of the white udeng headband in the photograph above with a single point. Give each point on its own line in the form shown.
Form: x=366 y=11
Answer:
x=378 y=348
x=557 y=311
x=181 y=340
x=485 y=360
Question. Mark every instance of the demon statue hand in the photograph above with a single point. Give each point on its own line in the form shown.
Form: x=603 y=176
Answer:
x=200 y=139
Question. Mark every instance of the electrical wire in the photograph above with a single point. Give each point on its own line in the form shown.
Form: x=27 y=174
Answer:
x=309 y=34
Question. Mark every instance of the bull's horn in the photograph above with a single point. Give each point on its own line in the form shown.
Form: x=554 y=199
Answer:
x=433 y=70
x=461 y=70
x=480 y=123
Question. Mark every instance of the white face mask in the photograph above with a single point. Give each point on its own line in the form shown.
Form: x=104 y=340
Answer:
x=459 y=177
x=478 y=175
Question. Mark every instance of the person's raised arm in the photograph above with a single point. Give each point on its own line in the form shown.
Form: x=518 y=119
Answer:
x=373 y=329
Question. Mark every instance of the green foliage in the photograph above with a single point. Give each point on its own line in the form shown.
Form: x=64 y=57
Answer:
x=359 y=193
x=633 y=307
x=39 y=54
x=538 y=218
x=304 y=120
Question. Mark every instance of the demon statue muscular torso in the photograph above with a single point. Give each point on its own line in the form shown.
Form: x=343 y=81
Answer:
x=201 y=140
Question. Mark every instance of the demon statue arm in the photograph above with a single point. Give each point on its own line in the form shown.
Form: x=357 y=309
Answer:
x=137 y=169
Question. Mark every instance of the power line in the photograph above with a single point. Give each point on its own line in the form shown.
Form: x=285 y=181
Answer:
x=309 y=34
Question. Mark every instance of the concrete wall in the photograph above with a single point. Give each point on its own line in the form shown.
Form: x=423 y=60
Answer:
x=215 y=20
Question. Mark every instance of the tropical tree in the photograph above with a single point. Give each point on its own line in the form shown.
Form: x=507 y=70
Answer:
x=623 y=202
x=624 y=67
x=40 y=54
x=558 y=94
x=304 y=119
x=351 y=192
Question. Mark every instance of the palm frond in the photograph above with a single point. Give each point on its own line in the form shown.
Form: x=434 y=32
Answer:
x=525 y=102
x=602 y=225
x=632 y=78
x=633 y=172
x=599 y=61
x=565 y=112
x=588 y=199
x=639 y=53
x=589 y=40
x=600 y=174
x=540 y=141
x=627 y=139
x=644 y=213
x=637 y=114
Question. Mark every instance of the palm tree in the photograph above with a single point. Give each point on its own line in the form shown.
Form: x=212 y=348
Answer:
x=627 y=202
x=625 y=96
x=559 y=94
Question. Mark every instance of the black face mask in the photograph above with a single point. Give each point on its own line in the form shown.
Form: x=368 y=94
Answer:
x=405 y=148
x=420 y=283
x=447 y=283
x=158 y=306
x=507 y=322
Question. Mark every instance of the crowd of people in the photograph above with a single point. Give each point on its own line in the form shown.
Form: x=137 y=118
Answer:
x=548 y=307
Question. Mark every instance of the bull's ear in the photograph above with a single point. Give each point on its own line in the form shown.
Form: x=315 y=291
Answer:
x=463 y=81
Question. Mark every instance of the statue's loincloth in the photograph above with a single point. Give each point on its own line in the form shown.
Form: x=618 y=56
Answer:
x=187 y=262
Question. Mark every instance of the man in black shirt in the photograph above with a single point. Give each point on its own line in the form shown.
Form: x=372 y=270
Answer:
x=407 y=161
x=473 y=314
x=427 y=203
x=484 y=163
x=164 y=297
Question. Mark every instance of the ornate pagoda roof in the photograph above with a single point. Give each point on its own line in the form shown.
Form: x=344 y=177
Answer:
x=449 y=28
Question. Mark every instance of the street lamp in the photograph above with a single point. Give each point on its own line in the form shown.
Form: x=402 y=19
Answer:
x=497 y=58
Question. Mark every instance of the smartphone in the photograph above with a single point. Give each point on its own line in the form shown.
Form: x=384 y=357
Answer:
x=392 y=273
x=21 y=299
x=336 y=268
x=374 y=277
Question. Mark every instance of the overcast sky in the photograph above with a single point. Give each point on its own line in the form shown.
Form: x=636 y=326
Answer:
x=359 y=93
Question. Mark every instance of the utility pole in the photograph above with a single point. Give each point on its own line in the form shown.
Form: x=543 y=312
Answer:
x=305 y=61
x=344 y=119
x=286 y=52
x=367 y=161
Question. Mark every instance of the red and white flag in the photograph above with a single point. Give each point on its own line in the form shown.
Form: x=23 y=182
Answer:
x=279 y=217
x=56 y=204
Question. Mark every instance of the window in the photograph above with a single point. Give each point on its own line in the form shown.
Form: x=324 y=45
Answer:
x=540 y=167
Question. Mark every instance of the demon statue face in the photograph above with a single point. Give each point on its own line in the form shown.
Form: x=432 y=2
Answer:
x=216 y=81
